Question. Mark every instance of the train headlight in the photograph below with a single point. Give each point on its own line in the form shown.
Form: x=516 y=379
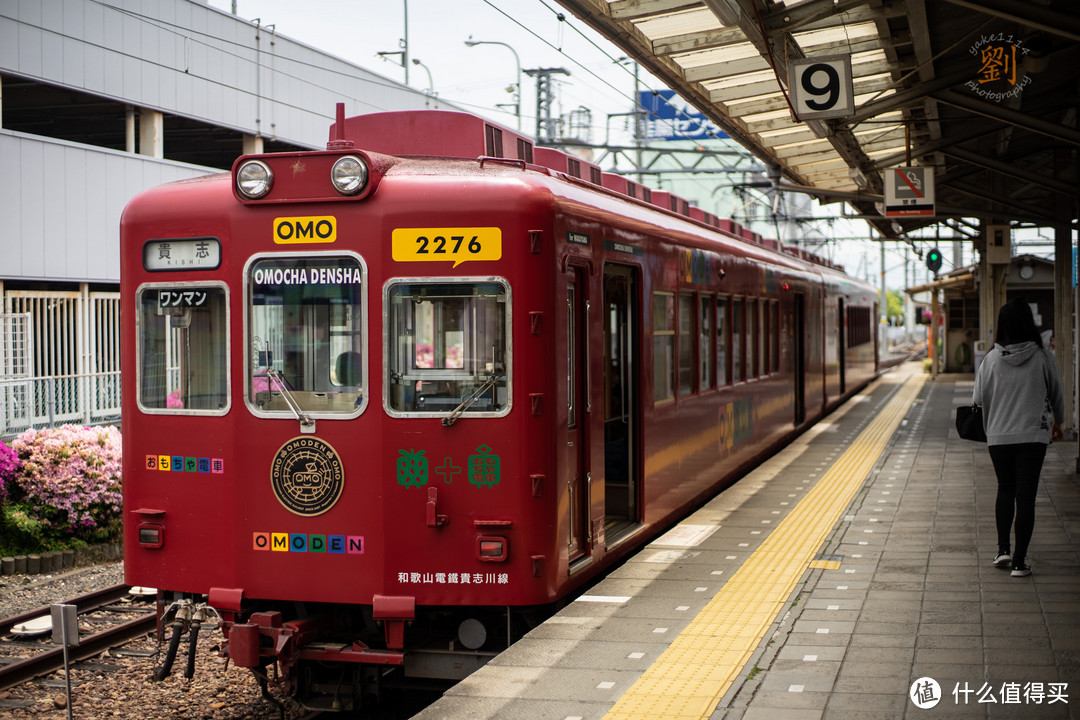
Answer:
x=254 y=179
x=349 y=175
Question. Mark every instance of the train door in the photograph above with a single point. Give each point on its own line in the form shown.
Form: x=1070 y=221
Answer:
x=799 y=349
x=622 y=428
x=877 y=334
x=578 y=405
x=841 y=343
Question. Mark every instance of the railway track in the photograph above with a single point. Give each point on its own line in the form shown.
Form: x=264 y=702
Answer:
x=39 y=657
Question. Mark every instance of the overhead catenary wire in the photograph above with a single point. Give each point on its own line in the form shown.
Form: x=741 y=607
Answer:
x=239 y=52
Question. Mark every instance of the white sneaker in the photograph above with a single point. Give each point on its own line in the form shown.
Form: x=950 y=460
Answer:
x=1003 y=560
x=1020 y=570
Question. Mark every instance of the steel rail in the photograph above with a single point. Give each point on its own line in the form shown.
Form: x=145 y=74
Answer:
x=85 y=603
x=53 y=659
x=89 y=646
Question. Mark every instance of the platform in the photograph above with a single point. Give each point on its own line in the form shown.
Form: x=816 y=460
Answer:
x=847 y=577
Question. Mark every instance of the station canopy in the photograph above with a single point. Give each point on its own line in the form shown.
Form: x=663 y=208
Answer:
x=980 y=94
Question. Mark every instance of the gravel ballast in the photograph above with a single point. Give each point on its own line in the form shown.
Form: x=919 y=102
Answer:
x=118 y=685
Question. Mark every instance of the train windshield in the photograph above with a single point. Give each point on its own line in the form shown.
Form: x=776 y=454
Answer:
x=447 y=348
x=183 y=355
x=306 y=335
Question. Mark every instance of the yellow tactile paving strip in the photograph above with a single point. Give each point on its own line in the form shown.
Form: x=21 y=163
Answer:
x=690 y=678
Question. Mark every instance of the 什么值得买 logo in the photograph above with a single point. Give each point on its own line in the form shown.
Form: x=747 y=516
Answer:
x=307 y=476
x=1000 y=67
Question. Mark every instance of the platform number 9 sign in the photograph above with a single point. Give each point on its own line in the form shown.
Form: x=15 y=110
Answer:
x=821 y=87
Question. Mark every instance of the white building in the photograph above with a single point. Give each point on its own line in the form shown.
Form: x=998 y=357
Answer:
x=98 y=101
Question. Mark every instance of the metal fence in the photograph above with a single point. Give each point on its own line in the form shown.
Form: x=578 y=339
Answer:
x=59 y=358
x=41 y=402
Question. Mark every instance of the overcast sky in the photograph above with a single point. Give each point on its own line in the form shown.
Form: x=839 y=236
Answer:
x=475 y=78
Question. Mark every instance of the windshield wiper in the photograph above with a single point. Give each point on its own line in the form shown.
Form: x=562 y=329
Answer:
x=467 y=402
x=307 y=425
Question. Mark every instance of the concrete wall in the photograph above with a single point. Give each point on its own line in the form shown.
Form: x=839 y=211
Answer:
x=190 y=59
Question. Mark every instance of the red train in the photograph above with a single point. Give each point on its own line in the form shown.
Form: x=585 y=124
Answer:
x=383 y=401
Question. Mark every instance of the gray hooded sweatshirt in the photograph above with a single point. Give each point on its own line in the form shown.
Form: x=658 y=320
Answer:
x=1019 y=389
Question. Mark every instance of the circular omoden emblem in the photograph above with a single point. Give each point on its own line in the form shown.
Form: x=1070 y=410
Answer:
x=307 y=476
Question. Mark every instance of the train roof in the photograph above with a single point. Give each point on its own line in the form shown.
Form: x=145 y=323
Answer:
x=450 y=134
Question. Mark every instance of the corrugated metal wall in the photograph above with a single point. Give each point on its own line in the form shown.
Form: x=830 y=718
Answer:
x=60 y=206
x=192 y=60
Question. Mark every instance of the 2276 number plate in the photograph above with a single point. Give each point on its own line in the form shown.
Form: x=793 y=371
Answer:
x=456 y=245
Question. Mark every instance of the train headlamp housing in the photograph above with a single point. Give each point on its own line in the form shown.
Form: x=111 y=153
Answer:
x=299 y=177
x=254 y=179
x=349 y=175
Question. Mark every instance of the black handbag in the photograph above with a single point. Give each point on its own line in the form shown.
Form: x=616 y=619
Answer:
x=969 y=423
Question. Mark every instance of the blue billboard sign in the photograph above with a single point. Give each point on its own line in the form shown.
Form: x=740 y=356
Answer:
x=669 y=117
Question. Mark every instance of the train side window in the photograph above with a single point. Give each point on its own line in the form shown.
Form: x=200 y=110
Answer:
x=663 y=312
x=183 y=349
x=859 y=320
x=705 y=348
x=306 y=335
x=447 y=348
x=763 y=337
x=686 y=344
x=738 y=374
x=722 y=325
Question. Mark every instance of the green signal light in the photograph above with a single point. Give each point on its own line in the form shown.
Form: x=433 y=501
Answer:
x=933 y=260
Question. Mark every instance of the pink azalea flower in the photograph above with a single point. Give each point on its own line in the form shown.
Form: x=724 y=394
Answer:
x=71 y=479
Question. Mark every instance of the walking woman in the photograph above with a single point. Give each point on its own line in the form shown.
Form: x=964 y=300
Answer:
x=1019 y=389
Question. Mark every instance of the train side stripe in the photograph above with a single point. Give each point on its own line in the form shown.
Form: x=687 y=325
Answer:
x=690 y=678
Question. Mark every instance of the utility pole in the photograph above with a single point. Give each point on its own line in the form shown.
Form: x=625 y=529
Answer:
x=639 y=122
x=546 y=125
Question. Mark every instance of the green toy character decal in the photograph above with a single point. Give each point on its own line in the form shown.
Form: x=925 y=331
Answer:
x=412 y=468
x=484 y=469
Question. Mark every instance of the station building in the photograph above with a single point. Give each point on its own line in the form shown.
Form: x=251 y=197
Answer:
x=99 y=101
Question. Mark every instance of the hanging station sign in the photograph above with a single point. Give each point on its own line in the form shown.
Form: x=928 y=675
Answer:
x=909 y=192
x=821 y=87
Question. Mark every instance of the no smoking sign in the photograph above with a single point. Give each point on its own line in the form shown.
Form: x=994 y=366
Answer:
x=909 y=192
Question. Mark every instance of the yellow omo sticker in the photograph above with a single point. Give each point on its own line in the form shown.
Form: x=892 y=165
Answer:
x=456 y=245
x=312 y=229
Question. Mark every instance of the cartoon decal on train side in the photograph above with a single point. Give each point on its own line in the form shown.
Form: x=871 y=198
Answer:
x=736 y=424
x=482 y=469
x=695 y=266
x=738 y=419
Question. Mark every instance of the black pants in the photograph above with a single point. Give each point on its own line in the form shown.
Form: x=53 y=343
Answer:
x=1017 y=467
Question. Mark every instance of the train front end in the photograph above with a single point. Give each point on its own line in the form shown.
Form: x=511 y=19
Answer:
x=323 y=448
